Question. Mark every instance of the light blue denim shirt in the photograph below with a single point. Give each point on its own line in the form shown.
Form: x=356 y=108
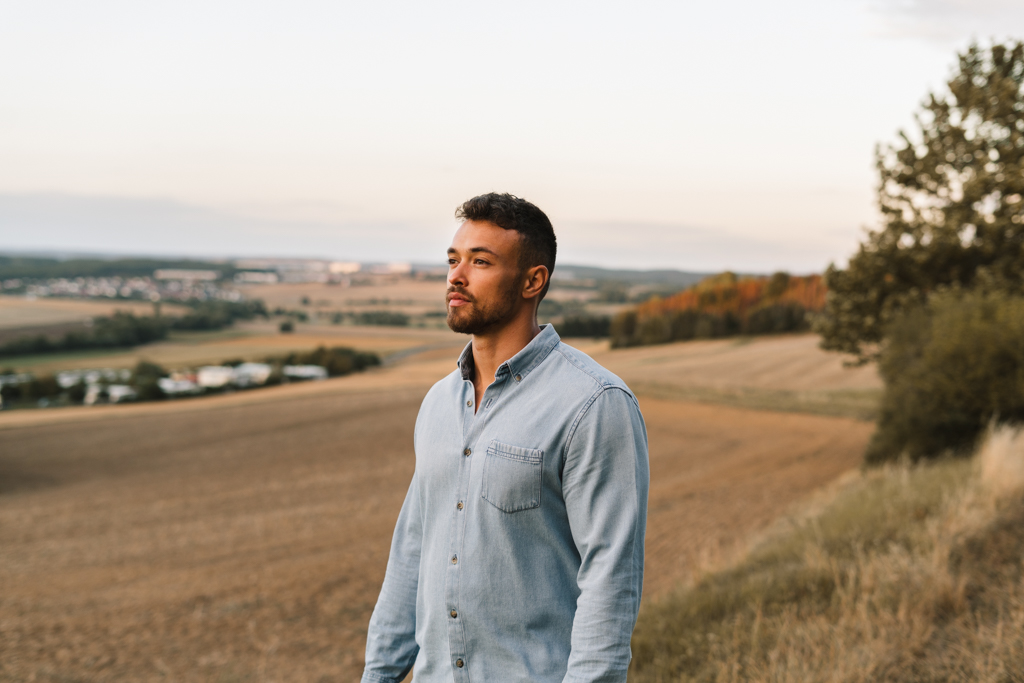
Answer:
x=519 y=551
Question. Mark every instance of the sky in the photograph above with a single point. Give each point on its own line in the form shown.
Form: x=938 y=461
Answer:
x=698 y=136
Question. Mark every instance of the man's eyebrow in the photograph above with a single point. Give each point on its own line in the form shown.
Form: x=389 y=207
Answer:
x=474 y=250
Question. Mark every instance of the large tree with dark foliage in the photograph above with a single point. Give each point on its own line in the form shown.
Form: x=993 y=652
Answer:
x=951 y=201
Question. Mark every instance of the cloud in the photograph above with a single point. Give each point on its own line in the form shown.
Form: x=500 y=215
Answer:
x=950 y=21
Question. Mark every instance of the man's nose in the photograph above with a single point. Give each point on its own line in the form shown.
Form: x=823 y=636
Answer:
x=457 y=274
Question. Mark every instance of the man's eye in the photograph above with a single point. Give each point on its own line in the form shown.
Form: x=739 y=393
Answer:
x=482 y=261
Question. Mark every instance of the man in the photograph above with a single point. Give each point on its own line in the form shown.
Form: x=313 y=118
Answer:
x=518 y=553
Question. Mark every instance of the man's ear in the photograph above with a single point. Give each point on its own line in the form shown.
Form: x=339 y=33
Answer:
x=535 y=279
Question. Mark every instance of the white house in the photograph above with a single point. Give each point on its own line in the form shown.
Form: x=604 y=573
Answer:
x=215 y=376
x=315 y=372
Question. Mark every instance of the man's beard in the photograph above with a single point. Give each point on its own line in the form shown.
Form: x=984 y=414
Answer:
x=482 y=318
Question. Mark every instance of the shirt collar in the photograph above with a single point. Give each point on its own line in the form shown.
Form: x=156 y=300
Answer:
x=521 y=364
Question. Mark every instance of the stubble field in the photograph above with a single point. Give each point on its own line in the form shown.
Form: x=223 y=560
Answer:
x=244 y=537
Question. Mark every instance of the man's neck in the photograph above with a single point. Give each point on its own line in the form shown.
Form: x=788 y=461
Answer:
x=492 y=349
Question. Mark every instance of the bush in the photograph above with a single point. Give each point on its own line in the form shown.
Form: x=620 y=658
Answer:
x=286 y=326
x=630 y=329
x=338 y=361
x=391 y=318
x=584 y=326
x=776 y=318
x=949 y=369
x=216 y=315
x=145 y=378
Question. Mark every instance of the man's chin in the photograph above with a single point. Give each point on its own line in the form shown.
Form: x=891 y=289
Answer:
x=460 y=322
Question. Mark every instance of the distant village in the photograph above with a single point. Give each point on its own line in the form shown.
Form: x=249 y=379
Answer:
x=201 y=284
x=188 y=286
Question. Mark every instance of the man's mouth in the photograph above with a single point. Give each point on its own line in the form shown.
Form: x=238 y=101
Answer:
x=456 y=299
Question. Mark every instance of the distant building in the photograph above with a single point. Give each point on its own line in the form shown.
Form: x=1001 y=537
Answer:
x=251 y=374
x=314 y=372
x=178 y=387
x=113 y=393
x=255 y=277
x=186 y=275
x=69 y=378
x=345 y=267
x=395 y=268
x=215 y=376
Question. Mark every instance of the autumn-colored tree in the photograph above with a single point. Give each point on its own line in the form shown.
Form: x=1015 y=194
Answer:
x=951 y=202
x=720 y=306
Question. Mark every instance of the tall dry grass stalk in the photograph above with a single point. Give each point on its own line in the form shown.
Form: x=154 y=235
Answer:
x=919 y=578
x=1001 y=461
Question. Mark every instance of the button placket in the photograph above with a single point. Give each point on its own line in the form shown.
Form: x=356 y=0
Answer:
x=456 y=632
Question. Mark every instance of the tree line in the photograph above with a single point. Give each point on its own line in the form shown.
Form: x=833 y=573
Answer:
x=720 y=306
x=125 y=330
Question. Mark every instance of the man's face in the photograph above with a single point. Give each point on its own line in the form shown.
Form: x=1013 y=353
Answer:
x=484 y=278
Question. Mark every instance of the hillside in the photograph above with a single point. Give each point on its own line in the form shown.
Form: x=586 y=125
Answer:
x=899 y=574
x=244 y=536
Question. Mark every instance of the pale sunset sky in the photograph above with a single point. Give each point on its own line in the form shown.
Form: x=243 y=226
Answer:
x=698 y=136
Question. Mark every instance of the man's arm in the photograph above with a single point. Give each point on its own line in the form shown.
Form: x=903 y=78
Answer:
x=604 y=483
x=391 y=639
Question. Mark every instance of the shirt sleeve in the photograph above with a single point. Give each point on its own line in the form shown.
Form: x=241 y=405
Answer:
x=605 y=482
x=391 y=647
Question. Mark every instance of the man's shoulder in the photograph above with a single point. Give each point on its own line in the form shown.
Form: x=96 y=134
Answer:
x=572 y=361
x=446 y=386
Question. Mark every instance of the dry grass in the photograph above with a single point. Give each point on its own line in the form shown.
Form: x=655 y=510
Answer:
x=244 y=537
x=910 y=574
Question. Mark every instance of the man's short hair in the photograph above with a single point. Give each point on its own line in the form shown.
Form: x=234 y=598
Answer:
x=537 y=237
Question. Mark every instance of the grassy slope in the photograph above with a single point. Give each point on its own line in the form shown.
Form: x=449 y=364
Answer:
x=907 y=575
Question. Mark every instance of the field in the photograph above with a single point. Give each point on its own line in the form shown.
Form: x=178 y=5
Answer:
x=24 y=317
x=248 y=341
x=20 y=311
x=244 y=537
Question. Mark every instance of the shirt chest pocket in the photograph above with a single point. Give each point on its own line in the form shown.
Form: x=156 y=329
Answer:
x=512 y=477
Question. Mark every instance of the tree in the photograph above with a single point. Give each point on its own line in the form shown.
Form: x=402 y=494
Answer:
x=951 y=204
x=950 y=368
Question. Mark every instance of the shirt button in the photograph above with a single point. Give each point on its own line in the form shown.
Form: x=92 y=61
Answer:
x=459 y=663
x=459 y=505
x=519 y=378
x=455 y=559
x=454 y=614
x=467 y=451
x=469 y=403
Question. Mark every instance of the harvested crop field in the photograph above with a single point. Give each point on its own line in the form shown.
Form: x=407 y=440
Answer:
x=244 y=537
x=248 y=341
x=21 y=311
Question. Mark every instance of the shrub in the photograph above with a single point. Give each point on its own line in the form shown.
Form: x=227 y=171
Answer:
x=216 y=315
x=391 y=318
x=145 y=378
x=286 y=326
x=584 y=326
x=338 y=361
x=950 y=368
